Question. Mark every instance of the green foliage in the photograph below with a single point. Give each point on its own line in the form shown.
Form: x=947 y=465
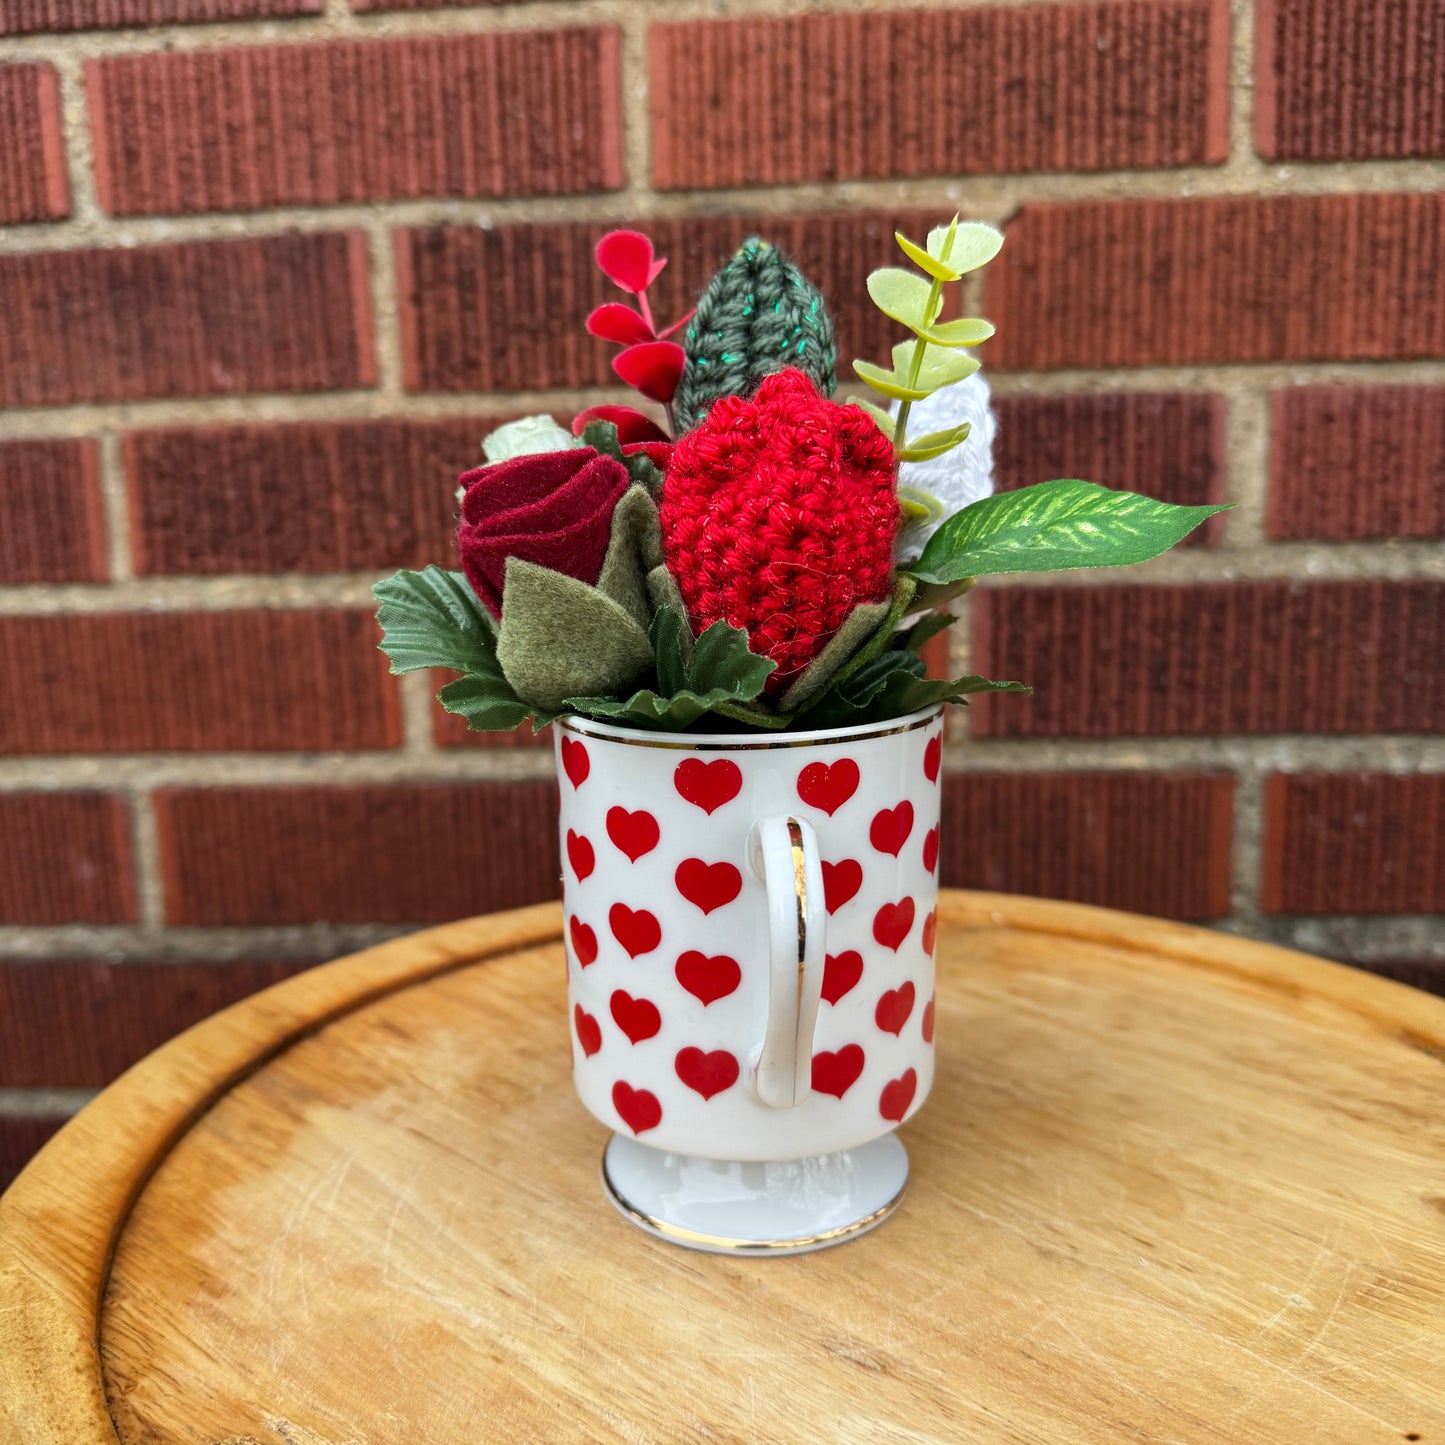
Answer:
x=1052 y=527
x=601 y=436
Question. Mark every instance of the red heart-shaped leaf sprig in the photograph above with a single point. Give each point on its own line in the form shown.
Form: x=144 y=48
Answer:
x=649 y=362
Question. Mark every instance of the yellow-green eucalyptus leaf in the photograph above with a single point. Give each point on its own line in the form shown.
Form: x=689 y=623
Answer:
x=886 y=383
x=920 y=257
x=904 y=296
x=971 y=245
x=939 y=367
x=966 y=331
x=934 y=444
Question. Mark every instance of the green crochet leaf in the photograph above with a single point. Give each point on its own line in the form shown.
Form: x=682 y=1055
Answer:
x=721 y=676
x=859 y=625
x=1051 y=527
x=905 y=296
x=560 y=638
x=433 y=619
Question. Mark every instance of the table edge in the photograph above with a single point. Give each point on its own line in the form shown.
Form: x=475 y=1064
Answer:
x=54 y=1261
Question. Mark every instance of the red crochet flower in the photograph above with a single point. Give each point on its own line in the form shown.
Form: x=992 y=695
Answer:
x=551 y=508
x=779 y=515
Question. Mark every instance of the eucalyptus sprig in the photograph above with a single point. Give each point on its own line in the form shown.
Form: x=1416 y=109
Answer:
x=951 y=252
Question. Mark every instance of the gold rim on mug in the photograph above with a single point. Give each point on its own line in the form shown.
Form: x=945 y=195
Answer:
x=734 y=742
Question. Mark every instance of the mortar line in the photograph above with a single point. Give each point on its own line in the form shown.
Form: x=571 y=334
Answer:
x=115 y=505
x=1246 y=464
x=385 y=327
x=145 y=844
x=79 y=149
x=1245 y=845
x=43 y=1103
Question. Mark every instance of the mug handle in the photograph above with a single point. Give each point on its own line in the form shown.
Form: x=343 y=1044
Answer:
x=783 y=853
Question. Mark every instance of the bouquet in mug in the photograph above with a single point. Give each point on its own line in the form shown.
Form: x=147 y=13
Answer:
x=772 y=558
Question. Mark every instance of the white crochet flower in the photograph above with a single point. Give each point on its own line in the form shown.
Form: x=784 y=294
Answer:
x=957 y=478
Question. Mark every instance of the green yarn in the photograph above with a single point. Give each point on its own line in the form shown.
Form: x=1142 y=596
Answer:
x=758 y=314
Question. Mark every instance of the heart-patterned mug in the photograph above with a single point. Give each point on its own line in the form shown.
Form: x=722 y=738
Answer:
x=750 y=924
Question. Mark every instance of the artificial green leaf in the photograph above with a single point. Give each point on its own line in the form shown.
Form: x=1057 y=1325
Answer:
x=936 y=594
x=663 y=591
x=934 y=444
x=893 y=686
x=722 y=661
x=1053 y=526
x=898 y=605
x=601 y=436
x=887 y=383
x=905 y=296
x=928 y=626
x=434 y=619
x=560 y=638
x=966 y=331
x=965 y=246
x=634 y=548
x=669 y=628
x=920 y=257
x=857 y=627
x=488 y=704
x=879 y=414
x=937 y=367
x=919 y=508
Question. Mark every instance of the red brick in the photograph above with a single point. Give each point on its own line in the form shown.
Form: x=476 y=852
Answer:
x=21 y=1136
x=1349 y=79
x=1156 y=843
x=1168 y=445
x=27 y=17
x=1350 y=843
x=502 y=309
x=34 y=185
x=208 y=318
x=67 y=859
x=507 y=114
x=1222 y=279
x=1356 y=463
x=314 y=497
x=217 y=681
x=54 y=522
x=1248 y=657
x=77 y=1024
x=410 y=853
x=949 y=92
x=366 y=5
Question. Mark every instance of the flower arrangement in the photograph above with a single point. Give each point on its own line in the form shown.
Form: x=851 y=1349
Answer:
x=772 y=559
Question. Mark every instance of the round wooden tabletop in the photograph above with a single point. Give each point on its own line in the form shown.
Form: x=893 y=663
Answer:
x=1170 y=1186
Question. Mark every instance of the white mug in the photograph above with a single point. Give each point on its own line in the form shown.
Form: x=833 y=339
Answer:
x=750 y=932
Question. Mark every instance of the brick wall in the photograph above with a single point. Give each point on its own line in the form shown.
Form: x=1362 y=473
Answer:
x=269 y=268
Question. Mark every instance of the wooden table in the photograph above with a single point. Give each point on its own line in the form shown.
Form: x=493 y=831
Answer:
x=1170 y=1186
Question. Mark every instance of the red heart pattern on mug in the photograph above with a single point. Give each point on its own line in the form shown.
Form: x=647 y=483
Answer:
x=575 y=762
x=828 y=786
x=635 y=834
x=932 y=758
x=930 y=849
x=840 y=882
x=637 y=931
x=580 y=854
x=708 y=886
x=928 y=1022
x=708 y=979
x=706 y=1074
x=638 y=1018
x=892 y=923
x=930 y=931
x=836 y=1072
x=894 y=1008
x=841 y=973
x=589 y=1031
x=584 y=941
x=891 y=828
x=897 y=1095
x=708 y=785
x=640 y=1109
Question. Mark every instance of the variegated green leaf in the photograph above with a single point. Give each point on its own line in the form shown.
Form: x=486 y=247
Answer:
x=1051 y=527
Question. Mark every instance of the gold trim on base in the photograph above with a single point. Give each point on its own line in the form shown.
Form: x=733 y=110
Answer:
x=722 y=1244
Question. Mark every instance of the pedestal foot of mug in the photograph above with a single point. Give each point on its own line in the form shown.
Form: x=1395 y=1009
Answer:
x=785 y=1206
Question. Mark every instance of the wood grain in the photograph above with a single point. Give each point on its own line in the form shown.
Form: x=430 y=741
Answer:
x=1171 y=1186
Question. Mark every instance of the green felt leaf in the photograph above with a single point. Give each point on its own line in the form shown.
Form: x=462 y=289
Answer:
x=905 y=296
x=899 y=604
x=1053 y=526
x=965 y=246
x=934 y=444
x=641 y=469
x=723 y=676
x=939 y=367
x=889 y=384
x=434 y=619
x=857 y=627
x=966 y=331
x=920 y=257
x=879 y=414
x=561 y=638
x=601 y=436
x=634 y=548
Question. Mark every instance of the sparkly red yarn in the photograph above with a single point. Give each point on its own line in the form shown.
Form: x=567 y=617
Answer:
x=779 y=515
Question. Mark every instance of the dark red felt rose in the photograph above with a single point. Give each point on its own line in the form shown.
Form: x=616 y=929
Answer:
x=551 y=508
